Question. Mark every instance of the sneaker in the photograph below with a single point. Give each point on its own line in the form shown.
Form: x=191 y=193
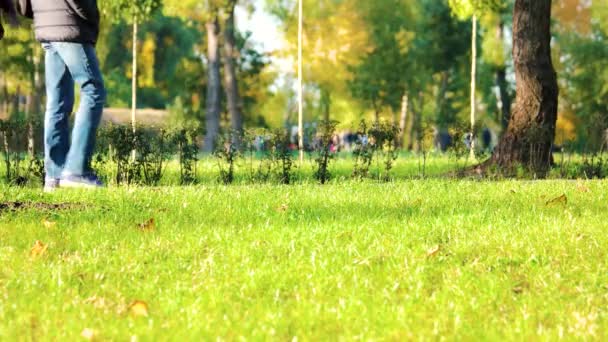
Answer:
x=51 y=184
x=89 y=181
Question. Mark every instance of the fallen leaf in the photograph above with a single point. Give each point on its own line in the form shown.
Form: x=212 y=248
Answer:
x=148 y=226
x=39 y=249
x=88 y=334
x=521 y=287
x=563 y=199
x=582 y=188
x=433 y=251
x=48 y=224
x=283 y=208
x=138 y=308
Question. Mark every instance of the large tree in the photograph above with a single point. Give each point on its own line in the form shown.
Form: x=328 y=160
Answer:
x=233 y=97
x=529 y=137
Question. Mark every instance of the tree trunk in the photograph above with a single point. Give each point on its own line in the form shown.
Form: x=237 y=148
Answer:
x=503 y=86
x=505 y=97
x=473 y=86
x=403 y=120
x=214 y=84
x=529 y=137
x=235 y=104
x=134 y=89
x=33 y=102
x=134 y=79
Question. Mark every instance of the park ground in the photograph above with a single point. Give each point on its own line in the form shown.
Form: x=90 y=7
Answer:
x=405 y=260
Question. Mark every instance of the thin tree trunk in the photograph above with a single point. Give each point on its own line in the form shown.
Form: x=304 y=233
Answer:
x=134 y=89
x=441 y=95
x=473 y=86
x=403 y=119
x=300 y=80
x=134 y=79
x=214 y=84
x=529 y=137
x=502 y=84
x=33 y=103
x=235 y=104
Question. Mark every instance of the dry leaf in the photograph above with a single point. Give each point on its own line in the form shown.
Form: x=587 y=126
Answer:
x=582 y=188
x=521 y=287
x=48 y=224
x=563 y=199
x=148 y=226
x=433 y=251
x=88 y=334
x=138 y=309
x=39 y=249
x=283 y=208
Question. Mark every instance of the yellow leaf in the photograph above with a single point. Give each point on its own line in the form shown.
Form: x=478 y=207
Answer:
x=283 y=208
x=433 y=251
x=39 y=249
x=138 y=309
x=563 y=199
x=148 y=226
x=88 y=334
x=582 y=188
x=48 y=224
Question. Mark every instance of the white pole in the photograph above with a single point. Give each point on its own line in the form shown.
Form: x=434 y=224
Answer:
x=300 y=87
x=473 y=85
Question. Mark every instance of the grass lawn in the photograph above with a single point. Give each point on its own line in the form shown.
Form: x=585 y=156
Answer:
x=409 y=260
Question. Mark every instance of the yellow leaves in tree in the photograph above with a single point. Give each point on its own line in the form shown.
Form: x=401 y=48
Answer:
x=39 y=249
x=138 y=308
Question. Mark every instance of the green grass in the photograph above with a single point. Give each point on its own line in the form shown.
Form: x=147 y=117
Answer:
x=345 y=261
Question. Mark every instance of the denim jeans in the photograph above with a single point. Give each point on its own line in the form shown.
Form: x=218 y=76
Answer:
x=66 y=63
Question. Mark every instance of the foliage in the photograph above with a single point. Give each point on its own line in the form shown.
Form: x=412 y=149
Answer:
x=326 y=135
x=226 y=153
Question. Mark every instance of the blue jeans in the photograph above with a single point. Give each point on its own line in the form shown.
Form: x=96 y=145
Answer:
x=66 y=63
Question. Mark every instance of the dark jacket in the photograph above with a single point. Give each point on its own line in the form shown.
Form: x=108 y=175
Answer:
x=63 y=20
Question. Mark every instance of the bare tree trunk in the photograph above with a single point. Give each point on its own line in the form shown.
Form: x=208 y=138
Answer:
x=403 y=119
x=235 y=104
x=502 y=84
x=134 y=89
x=33 y=102
x=134 y=79
x=473 y=87
x=505 y=97
x=214 y=84
x=529 y=137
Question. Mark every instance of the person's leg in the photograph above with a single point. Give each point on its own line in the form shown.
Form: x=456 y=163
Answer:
x=83 y=65
x=60 y=102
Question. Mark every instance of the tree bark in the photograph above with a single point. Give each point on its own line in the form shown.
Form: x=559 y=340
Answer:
x=529 y=137
x=214 y=84
x=235 y=104
x=403 y=119
x=503 y=85
x=473 y=87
